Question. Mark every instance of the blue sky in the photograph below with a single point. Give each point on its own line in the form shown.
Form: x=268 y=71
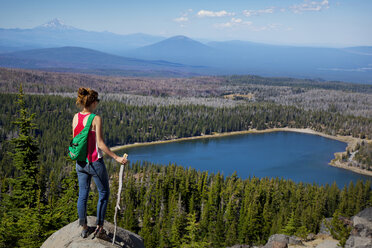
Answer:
x=334 y=23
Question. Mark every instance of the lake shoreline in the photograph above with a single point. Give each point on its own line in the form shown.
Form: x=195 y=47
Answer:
x=349 y=140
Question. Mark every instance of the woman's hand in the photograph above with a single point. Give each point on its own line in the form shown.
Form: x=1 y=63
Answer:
x=121 y=160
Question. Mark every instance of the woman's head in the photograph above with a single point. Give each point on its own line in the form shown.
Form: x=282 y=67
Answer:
x=86 y=97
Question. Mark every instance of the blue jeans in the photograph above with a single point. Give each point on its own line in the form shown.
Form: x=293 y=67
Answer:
x=85 y=172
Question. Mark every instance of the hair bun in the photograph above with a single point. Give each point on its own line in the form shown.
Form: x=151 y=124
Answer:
x=83 y=91
x=86 y=97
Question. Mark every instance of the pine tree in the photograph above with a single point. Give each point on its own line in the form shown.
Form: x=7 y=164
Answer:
x=24 y=209
x=291 y=226
x=9 y=230
x=65 y=210
x=302 y=232
x=339 y=230
x=192 y=231
x=178 y=223
x=25 y=158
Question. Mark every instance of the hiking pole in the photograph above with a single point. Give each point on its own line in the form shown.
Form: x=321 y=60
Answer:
x=118 y=197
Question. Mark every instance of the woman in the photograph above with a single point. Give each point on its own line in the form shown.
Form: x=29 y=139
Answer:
x=88 y=100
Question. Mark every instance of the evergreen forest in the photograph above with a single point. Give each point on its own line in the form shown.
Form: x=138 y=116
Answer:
x=168 y=205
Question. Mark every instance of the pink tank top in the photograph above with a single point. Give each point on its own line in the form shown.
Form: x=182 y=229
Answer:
x=94 y=153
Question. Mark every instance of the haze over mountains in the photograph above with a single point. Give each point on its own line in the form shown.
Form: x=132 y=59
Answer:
x=78 y=59
x=178 y=55
x=57 y=34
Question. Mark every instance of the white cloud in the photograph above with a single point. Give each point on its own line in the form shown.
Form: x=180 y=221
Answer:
x=271 y=26
x=249 y=13
x=184 y=17
x=233 y=23
x=237 y=22
x=208 y=13
x=181 y=19
x=308 y=5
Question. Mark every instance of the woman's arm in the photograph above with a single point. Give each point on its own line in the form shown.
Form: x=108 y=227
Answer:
x=74 y=120
x=101 y=144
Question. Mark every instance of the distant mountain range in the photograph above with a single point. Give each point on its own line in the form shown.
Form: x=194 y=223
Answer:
x=241 y=57
x=79 y=59
x=179 y=53
x=56 y=34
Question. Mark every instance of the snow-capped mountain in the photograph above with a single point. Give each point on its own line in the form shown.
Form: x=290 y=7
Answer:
x=56 y=24
x=56 y=33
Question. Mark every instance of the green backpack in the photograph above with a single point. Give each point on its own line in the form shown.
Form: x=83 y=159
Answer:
x=78 y=148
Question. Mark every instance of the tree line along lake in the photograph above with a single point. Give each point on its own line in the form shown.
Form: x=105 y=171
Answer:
x=296 y=156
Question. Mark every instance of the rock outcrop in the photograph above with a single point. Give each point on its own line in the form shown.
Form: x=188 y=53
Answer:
x=277 y=241
x=323 y=229
x=361 y=234
x=69 y=237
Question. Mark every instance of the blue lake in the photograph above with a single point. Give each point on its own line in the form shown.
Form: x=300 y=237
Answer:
x=290 y=155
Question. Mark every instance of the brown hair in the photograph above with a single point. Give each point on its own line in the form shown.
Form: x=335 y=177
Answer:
x=86 y=97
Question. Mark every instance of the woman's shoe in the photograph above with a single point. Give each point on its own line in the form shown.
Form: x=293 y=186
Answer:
x=101 y=234
x=84 y=233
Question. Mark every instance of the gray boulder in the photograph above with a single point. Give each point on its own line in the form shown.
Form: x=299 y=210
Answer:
x=323 y=229
x=310 y=236
x=358 y=242
x=69 y=237
x=294 y=240
x=361 y=234
x=328 y=244
x=277 y=241
x=365 y=214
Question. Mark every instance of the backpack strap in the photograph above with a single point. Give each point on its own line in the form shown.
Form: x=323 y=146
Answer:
x=87 y=127
x=89 y=121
